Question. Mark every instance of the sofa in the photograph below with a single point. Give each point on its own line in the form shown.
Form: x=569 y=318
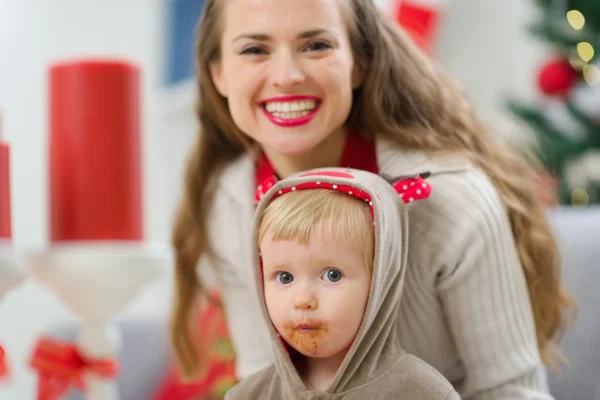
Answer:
x=145 y=356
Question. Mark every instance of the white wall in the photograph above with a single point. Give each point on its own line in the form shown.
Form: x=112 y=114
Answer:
x=482 y=43
x=34 y=33
x=485 y=45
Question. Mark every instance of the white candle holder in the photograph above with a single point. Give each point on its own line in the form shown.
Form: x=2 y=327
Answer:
x=11 y=274
x=96 y=280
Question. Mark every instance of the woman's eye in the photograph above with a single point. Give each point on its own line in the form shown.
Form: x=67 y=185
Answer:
x=284 y=277
x=318 y=46
x=253 y=51
x=332 y=275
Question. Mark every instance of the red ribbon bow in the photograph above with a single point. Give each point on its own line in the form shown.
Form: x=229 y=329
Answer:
x=60 y=365
x=3 y=365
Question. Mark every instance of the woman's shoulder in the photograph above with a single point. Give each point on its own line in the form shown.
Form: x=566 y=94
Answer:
x=236 y=181
x=464 y=205
x=457 y=185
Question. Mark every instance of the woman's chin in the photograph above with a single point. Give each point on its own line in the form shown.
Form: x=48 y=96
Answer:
x=291 y=147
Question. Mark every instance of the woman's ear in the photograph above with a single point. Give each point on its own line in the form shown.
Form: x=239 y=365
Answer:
x=359 y=72
x=216 y=74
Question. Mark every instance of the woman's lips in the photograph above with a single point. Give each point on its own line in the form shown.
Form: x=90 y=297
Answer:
x=279 y=120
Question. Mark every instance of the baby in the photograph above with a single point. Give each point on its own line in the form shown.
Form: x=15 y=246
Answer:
x=330 y=264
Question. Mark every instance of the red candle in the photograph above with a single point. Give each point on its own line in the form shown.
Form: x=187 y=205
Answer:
x=94 y=145
x=5 y=221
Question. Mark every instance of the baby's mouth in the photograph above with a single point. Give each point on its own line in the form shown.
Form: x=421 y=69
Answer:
x=309 y=327
x=306 y=336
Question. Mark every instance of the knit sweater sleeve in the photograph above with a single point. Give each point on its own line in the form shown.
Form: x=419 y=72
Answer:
x=481 y=285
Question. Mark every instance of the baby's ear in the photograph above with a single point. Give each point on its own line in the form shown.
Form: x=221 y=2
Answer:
x=412 y=188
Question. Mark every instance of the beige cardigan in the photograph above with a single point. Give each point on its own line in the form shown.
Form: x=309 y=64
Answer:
x=465 y=308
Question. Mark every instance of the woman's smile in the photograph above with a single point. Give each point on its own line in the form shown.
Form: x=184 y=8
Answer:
x=291 y=111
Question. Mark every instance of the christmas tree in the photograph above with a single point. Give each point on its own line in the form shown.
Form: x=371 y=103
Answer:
x=566 y=121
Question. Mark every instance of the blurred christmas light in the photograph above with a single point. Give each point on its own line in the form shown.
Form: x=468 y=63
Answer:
x=585 y=51
x=576 y=19
x=580 y=198
x=576 y=61
x=591 y=74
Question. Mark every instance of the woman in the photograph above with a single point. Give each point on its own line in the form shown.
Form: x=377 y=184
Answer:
x=290 y=85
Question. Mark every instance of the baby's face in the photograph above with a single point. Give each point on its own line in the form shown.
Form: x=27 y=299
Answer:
x=316 y=294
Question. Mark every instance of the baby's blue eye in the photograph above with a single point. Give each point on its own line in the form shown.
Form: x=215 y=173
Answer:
x=285 y=277
x=332 y=275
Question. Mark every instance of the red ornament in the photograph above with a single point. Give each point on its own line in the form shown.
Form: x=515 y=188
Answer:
x=557 y=78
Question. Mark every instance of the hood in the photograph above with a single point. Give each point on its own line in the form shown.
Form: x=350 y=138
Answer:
x=376 y=346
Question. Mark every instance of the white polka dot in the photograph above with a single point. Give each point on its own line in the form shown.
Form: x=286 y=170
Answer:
x=318 y=183
x=260 y=195
x=370 y=203
x=260 y=187
x=350 y=192
x=418 y=191
x=411 y=199
x=335 y=186
x=270 y=184
x=424 y=185
x=404 y=187
x=280 y=192
x=293 y=188
x=412 y=184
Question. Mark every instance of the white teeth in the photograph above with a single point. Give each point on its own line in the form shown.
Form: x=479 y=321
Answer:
x=290 y=106
x=291 y=114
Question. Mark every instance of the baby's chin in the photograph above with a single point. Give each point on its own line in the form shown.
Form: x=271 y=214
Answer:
x=318 y=349
x=318 y=353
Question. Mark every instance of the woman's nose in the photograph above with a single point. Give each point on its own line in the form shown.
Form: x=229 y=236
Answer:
x=287 y=72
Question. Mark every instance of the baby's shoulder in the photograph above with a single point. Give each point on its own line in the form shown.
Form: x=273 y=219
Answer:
x=418 y=380
x=260 y=385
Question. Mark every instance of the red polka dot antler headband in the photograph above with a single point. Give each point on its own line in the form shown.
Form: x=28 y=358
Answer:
x=410 y=188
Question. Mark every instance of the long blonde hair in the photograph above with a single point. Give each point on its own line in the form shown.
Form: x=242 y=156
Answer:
x=404 y=98
x=295 y=215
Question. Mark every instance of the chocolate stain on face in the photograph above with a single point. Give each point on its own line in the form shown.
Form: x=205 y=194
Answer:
x=307 y=340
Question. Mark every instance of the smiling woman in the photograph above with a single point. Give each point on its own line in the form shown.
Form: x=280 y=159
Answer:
x=305 y=57
x=484 y=299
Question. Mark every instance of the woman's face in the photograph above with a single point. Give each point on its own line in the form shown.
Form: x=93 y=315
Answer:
x=287 y=71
